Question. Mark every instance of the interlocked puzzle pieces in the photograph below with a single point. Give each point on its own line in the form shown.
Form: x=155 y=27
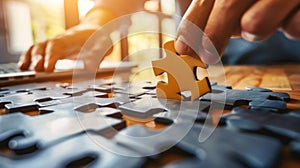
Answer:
x=79 y=151
x=246 y=138
x=282 y=126
x=24 y=134
x=261 y=98
x=181 y=75
x=224 y=148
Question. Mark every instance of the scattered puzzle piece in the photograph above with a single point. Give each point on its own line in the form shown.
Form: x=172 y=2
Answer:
x=247 y=137
x=181 y=75
x=184 y=111
x=40 y=131
x=272 y=104
x=25 y=88
x=80 y=151
x=257 y=89
x=231 y=97
x=143 y=108
x=223 y=148
x=286 y=126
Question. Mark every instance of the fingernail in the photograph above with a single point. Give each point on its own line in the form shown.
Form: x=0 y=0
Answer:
x=209 y=54
x=209 y=58
x=180 y=46
x=250 y=37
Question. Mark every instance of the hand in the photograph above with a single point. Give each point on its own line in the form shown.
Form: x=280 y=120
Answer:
x=43 y=56
x=254 y=20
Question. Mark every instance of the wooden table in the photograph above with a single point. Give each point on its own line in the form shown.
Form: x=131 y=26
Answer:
x=283 y=78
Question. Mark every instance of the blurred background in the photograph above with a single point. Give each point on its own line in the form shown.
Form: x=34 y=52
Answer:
x=26 y=22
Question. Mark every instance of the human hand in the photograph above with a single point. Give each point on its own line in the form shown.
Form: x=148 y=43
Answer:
x=254 y=20
x=43 y=56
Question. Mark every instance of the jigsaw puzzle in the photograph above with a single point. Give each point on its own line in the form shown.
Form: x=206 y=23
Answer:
x=255 y=97
x=181 y=74
x=182 y=112
x=23 y=134
x=79 y=151
x=282 y=126
x=73 y=118
x=223 y=149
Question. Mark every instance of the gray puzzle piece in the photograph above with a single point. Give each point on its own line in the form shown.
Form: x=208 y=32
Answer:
x=32 y=101
x=224 y=148
x=286 y=126
x=26 y=102
x=143 y=108
x=23 y=133
x=188 y=109
x=25 y=88
x=80 y=151
x=133 y=89
x=230 y=97
x=271 y=104
x=258 y=89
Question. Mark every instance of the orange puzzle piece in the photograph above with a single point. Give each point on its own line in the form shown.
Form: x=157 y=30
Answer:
x=181 y=74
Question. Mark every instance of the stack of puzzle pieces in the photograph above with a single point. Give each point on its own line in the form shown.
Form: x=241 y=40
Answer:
x=85 y=125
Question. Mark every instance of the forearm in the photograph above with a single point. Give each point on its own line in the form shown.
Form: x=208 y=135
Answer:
x=95 y=18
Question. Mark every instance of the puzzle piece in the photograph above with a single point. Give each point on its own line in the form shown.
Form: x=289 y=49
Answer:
x=25 y=88
x=22 y=133
x=283 y=126
x=224 y=148
x=181 y=75
x=258 y=89
x=80 y=151
x=189 y=111
x=143 y=108
x=27 y=102
x=230 y=97
x=40 y=98
x=271 y=104
x=134 y=89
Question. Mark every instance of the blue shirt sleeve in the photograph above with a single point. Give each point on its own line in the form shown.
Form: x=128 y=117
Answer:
x=275 y=50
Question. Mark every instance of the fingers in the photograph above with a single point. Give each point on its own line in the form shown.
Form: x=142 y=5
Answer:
x=65 y=46
x=43 y=56
x=218 y=18
x=53 y=53
x=25 y=59
x=195 y=17
x=292 y=25
x=37 y=56
x=223 y=22
x=265 y=17
x=34 y=57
